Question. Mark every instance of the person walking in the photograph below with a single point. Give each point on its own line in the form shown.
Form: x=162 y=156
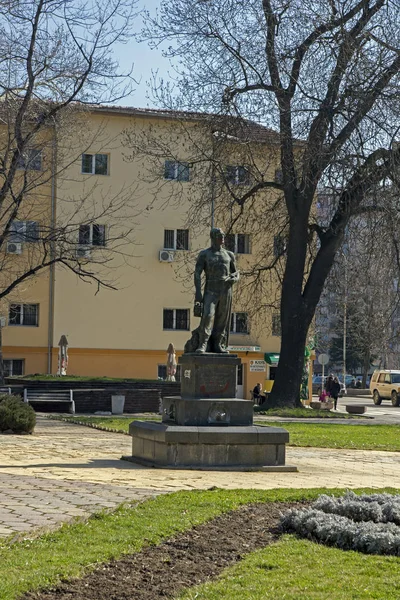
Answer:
x=335 y=391
x=328 y=384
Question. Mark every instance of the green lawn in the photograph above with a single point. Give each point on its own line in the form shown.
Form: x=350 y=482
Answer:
x=74 y=549
x=331 y=435
x=294 y=569
x=317 y=435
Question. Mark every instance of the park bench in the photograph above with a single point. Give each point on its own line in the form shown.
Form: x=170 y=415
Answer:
x=5 y=390
x=36 y=396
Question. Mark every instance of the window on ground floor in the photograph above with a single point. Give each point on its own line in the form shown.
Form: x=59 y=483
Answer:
x=13 y=366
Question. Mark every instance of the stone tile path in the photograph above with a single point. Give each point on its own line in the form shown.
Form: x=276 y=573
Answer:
x=64 y=471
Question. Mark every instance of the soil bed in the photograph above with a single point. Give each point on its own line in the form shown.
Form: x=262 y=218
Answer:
x=190 y=558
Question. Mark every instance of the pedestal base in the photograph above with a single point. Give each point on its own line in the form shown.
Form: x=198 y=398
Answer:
x=215 y=448
x=204 y=412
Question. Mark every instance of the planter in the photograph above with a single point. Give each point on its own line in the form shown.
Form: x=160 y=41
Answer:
x=321 y=405
x=355 y=410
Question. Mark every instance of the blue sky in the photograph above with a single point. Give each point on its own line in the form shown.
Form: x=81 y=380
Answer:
x=144 y=62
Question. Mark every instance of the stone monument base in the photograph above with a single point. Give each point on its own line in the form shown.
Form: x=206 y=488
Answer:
x=242 y=448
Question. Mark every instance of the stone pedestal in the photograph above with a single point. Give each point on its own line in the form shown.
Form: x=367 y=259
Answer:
x=207 y=427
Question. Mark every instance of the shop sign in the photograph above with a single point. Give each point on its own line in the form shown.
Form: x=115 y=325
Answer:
x=258 y=366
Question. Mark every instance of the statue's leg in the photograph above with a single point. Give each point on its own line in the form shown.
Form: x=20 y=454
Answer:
x=207 y=321
x=220 y=332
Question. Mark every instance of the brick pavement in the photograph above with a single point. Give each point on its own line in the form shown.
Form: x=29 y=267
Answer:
x=64 y=471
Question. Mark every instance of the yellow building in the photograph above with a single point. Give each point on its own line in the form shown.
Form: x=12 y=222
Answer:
x=138 y=170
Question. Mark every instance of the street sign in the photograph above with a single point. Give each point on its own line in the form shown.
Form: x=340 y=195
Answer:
x=323 y=359
x=258 y=366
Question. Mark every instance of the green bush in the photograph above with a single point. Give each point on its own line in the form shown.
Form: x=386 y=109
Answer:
x=16 y=415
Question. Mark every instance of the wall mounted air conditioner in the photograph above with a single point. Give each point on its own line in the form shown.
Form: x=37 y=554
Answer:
x=83 y=252
x=166 y=256
x=14 y=248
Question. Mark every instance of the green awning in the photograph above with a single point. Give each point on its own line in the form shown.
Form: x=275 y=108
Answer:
x=271 y=358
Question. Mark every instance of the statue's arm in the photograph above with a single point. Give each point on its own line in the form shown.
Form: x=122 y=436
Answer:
x=197 y=277
x=234 y=273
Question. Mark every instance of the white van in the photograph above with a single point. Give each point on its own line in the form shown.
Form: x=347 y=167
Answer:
x=385 y=384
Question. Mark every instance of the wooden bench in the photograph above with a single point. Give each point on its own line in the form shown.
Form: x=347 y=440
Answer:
x=50 y=396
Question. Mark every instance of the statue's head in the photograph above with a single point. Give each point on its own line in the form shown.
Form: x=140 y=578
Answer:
x=216 y=233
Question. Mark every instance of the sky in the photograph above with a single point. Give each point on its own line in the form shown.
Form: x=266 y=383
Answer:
x=145 y=60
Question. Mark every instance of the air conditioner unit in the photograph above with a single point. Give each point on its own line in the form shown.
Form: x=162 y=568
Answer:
x=83 y=252
x=166 y=256
x=14 y=248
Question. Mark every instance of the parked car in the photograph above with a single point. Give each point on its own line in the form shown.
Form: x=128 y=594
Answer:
x=385 y=384
x=319 y=382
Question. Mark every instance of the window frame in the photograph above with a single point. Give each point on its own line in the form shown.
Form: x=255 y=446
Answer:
x=247 y=242
x=175 y=239
x=20 y=237
x=276 y=325
x=179 y=167
x=174 y=319
x=90 y=241
x=22 y=305
x=93 y=161
x=10 y=370
x=234 y=323
x=28 y=163
x=233 y=175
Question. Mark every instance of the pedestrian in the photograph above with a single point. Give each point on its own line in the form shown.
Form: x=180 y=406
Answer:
x=328 y=384
x=335 y=391
x=258 y=397
x=358 y=384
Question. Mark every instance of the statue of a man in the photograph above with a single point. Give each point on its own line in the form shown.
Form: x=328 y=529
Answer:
x=220 y=270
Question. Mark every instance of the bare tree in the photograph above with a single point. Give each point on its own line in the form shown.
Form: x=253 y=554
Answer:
x=56 y=60
x=326 y=74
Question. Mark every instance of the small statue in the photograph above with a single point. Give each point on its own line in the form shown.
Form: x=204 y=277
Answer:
x=214 y=306
x=171 y=363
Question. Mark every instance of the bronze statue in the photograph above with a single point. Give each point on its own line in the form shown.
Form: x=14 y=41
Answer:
x=215 y=304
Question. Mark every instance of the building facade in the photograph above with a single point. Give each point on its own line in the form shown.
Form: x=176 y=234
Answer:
x=142 y=188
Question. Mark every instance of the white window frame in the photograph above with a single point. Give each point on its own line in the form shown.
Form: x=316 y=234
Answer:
x=247 y=243
x=174 y=319
x=21 y=232
x=176 y=174
x=235 y=180
x=27 y=159
x=93 y=171
x=233 y=324
x=175 y=235
x=90 y=242
x=22 y=305
x=11 y=361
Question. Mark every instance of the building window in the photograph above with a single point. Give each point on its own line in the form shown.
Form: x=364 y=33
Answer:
x=95 y=164
x=237 y=175
x=279 y=176
x=280 y=243
x=23 y=231
x=238 y=243
x=180 y=171
x=13 y=367
x=162 y=372
x=176 y=318
x=92 y=235
x=239 y=322
x=176 y=239
x=30 y=160
x=24 y=314
x=276 y=324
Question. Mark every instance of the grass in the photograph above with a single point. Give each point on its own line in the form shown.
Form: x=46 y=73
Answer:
x=315 y=435
x=331 y=435
x=304 y=413
x=74 y=549
x=293 y=569
x=57 y=378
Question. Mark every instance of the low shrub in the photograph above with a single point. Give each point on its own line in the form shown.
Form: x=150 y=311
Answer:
x=367 y=523
x=16 y=415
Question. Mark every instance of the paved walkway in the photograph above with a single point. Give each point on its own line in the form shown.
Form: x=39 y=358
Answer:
x=63 y=471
